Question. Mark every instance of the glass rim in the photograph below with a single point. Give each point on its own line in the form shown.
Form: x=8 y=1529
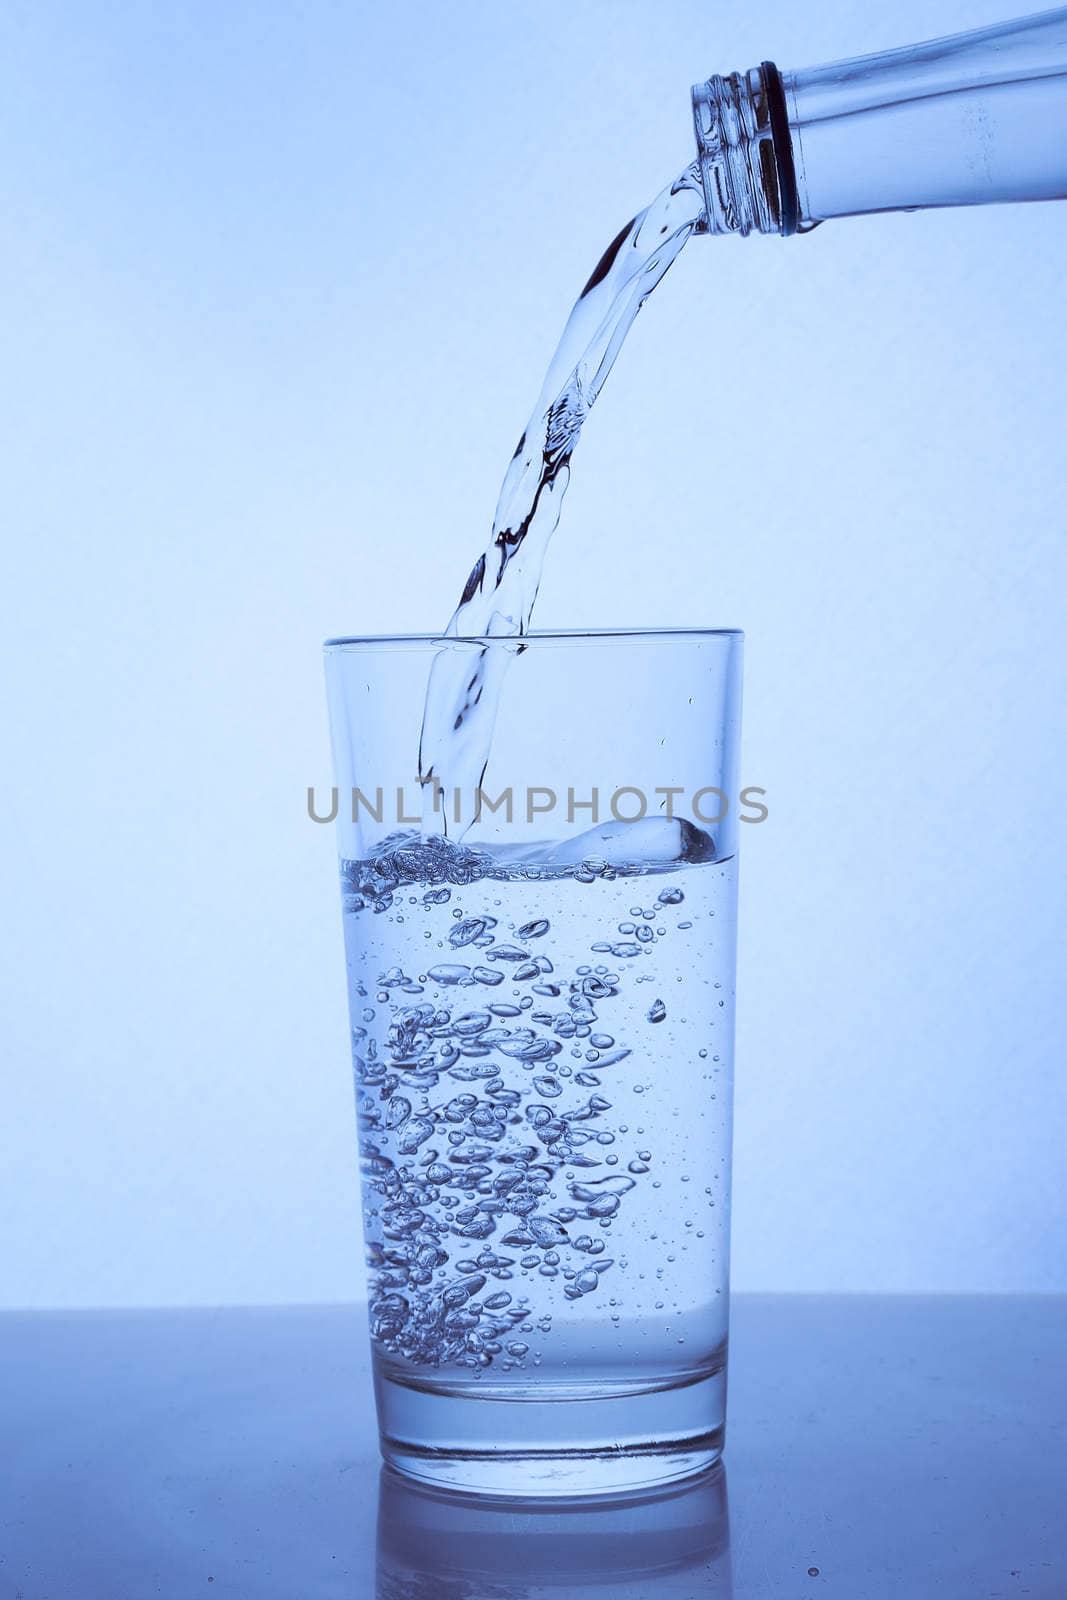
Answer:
x=547 y=636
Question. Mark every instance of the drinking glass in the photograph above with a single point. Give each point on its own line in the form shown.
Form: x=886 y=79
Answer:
x=541 y=988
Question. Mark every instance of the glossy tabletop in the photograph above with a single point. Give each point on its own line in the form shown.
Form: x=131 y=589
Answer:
x=877 y=1447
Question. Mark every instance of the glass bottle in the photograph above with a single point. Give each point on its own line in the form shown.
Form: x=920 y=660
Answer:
x=974 y=119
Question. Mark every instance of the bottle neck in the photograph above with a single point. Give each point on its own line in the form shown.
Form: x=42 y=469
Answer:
x=744 y=153
x=971 y=120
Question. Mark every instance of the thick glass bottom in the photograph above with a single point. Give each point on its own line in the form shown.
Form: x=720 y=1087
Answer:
x=558 y=1444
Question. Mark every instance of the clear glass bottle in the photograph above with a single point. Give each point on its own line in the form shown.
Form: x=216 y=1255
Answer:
x=974 y=119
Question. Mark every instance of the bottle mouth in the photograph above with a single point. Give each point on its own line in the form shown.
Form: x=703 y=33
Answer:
x=745 y=153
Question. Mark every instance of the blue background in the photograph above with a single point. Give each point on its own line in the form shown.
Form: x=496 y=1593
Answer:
x=278 y=283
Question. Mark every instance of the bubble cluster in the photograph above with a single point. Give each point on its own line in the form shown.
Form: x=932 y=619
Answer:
x=486 y=1126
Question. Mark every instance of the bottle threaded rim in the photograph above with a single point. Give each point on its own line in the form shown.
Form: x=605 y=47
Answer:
x=744 y=153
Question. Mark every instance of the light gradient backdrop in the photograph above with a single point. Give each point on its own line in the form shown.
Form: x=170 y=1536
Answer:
x=278 y=282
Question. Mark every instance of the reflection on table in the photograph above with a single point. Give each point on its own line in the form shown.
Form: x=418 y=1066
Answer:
x=668 y=1545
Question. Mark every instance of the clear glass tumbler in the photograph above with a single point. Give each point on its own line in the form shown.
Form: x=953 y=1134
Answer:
x=541 y=986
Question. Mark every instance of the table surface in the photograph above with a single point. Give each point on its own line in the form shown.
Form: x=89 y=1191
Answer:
x=878 y=1446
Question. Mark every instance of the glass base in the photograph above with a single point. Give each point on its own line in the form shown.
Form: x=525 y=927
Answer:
x=553 y=1444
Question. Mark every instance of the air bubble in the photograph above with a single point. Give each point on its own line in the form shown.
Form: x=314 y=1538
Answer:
x=612 y=1058
x=397 y=1112
x=449 y=974
x=485 y=975
x=546 y=1232
x=472 y=1022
